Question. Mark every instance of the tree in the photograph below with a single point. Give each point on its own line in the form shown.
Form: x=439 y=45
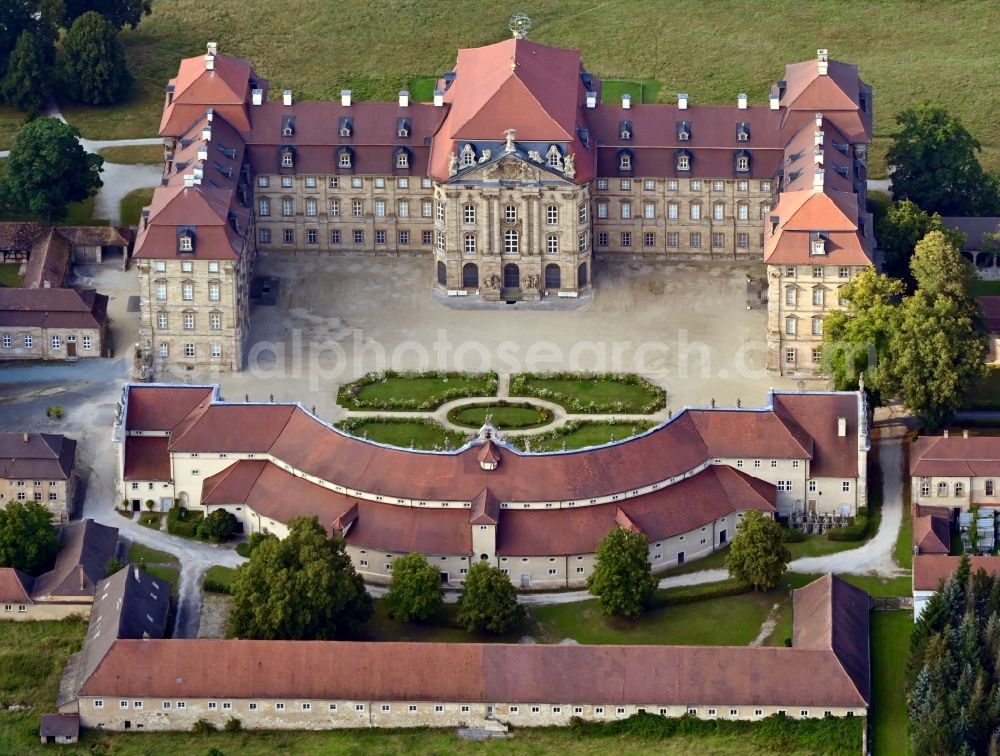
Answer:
x=415 y=592
x=114 y=565
x=28 y=539
x=622 y=579
x=302 y=587
x=16 y=16
x=856 y=339
x=757 y=554
x=489 y=601
x=29 y=76
x=48 y=169
x=938 y=348
x=903 y=225
x=934 y=163
x=121 y=13
x=218 y=526
x=96 y=72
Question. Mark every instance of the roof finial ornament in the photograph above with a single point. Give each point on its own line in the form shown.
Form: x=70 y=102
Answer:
x=510 y=134
x=519 y=25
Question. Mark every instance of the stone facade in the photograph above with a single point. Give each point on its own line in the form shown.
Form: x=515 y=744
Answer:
x=56 y=495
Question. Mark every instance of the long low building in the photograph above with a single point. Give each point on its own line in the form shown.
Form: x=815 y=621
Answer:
x=121 y=682
x=538 y=516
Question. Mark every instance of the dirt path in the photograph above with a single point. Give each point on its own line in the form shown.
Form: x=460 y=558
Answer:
x=767 y=628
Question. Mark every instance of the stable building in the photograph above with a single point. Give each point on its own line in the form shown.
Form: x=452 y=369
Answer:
x=53 y=324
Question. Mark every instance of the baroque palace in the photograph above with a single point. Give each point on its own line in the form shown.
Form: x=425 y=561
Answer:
x=515 y=178
x=538 y=516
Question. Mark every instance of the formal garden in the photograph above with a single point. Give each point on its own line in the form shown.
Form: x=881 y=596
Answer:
x=592 y=393
x=503 y=414
x=410 y=391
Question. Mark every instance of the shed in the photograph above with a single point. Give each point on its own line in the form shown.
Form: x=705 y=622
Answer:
x=60 y=728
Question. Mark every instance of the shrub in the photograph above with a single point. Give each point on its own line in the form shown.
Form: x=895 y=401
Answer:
x=114 y=565
x=182 y=523
x=233 y=725
x=218 y=526
x=793 y=535
x=693 y=593
x=55 y=412
x=150 y=504
x=856 y=531
x=214 y=586
x=248 y=547
x=203 y=727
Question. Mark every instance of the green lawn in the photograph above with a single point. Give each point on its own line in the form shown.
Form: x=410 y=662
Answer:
x=984 y=288
x=219 y=576
x=642 y=90
x=422 y=88
x=577 y=435
x=170 y=574
x=10 y=275
x=145 y=154
x=890 y=635
x=416 y=434
x=413 y=391
x=441 y=629
x=77 y=214
x=591 y=393
x=130 y=210
x=503 y=415
x=986 y=393
x=151 y=520
x=139 y=553
x=369 y=48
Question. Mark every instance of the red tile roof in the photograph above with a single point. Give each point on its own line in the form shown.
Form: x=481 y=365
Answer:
x=835 y=655
x=837 y=94
x=225 y=88
x=52 y=308
x=45 y=456
x=930 y=569
x=15 y=586
x=833 y=456
x=147 y=458
x=232 y=428
x=485 y=508
x=48 y=263
x=931 y=535
x=955 y=456
x=160 y=408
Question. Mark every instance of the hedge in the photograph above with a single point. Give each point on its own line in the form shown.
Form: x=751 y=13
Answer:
x=214 y=586
x=349 y=397
x=183 y=523
x=692 y=593
x=519 y=386
x=856 y=531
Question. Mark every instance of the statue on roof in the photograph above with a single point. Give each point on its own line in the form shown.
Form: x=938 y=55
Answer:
x=510 y=134
x=569 y=170
x=452 y=163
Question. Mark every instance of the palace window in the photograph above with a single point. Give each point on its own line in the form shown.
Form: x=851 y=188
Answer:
x=359 y=236
x=626 y=185
x=287 y=207
x=469 y=214
x=602 y=183
x=335 y=236
x=214 y=292
x=742 y=163
x=626 y=239
x=215 y=321
x=695 y=211
x=311 y=207
x=552 y=215
x=602 y=210
x=187 y=292
x=742 y=240
x=470 y=244
x=312 y=236
x=287 y=161
x=816 y=355
x=263 y=181
x=602 y=239
x=403 y=209
x=625 y=162
x=649 y=240
x=743 y=186
x=264 y=207
x=719 y=211
x=844 y=271
x=765 y=186
x=404 y=237
x=510 y=213
x=344 y=160
x=626 y=210
x=552 y=244
x=649 y=210
x=510 y=243
x=790 y=356
x=818 y=296
x=379 y=208
x=468 y=157
x=288 y=235
x=817 y=326
x=188 y=321
x=189 y=350
x=683 y=163
x=581 y=242
x=357 y=208
x=694 y=240
x=673 y=239
x=742 y=211
x=791 y=295
x=959 y=488
x=718 y=240
x=402 y=160
x=790 y=326
x=989 y=488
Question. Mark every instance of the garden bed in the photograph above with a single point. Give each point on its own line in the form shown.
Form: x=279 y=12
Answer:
x=592 y=393
x=504 y=415
x=427 y=435
x=578 y=435
x=411 y=391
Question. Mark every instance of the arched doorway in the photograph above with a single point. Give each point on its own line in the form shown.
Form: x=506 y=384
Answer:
x=581 y=276
x=470 y=276
x=511 y=276
x=442 y=274
x=553 y=276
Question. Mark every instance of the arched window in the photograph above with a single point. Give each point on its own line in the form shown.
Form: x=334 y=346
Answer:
x=581 y=275
x=553 y=158
x=511 y=277
x=510 y=243
x=468 y=157
x=442 y=273
x=553 y=277
x=470 y=276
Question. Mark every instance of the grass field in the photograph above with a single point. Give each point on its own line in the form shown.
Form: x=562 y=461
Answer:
x=590 y=394
x=503 y=415
x=146 y=154
x=890 y=633
x=376 y=49
x=219 y=576
x=579 y=435
x=986 y=393
x=418 y=434
x=10 y=274
x=420 y=391
x=131 y=206
x=170 y=574
x=984 y=288
x=139 y=553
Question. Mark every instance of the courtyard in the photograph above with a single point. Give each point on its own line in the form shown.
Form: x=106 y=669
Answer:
x=683 y=326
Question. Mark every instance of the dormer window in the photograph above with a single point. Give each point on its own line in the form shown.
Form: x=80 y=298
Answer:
x=742 y=132
x=403 y=128
x=186 y=244
x=625 y=131
x=625 y=160
x=468 y=157
x=287 y=159
x=402 y=160
x=344 y=160
x=817 y=243
x=345 y=127
x=287 y=126
x=742 y=163
x=683 y=160
x=553 y=158
x=684 y=131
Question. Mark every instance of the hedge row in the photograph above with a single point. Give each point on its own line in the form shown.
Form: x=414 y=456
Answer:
x=856 y=531
x=520 y=386
x=214 y=586
x=691 y=594
x=349 y=394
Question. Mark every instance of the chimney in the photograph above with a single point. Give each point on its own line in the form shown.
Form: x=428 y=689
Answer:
x=775 y=101
x=438 y=98
x=257 y=96
x=345 y=98
x=213 y=48
x=818 y=180
x=47 y=284
x=819 y=120
x=818 y=156
x=198 y=173
x=682 y=101
x=26 y=437
x=188 y=180
x=591 y=99
x=741 y=101
x=818 y=138
x=841 y=426
x=203 y=151
x=965 y=433
x=404 y=99
x=823 y=57
x=209 y=115
x=206 y=132
x=286 y=97
x=946 y=433
x=209 y=62
x=626 y=101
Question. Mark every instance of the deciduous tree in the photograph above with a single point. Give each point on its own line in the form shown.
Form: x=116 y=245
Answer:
x=28 y=539
x=489 y=601
x=934 y=163
x=415 y=592
x=757 y=554
x=96 y=72
x=218 y=526
x=622 y=579
x=48 y=169
x=302 y=587
x=121 y=13
x=29 y=76
x=898 y=231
